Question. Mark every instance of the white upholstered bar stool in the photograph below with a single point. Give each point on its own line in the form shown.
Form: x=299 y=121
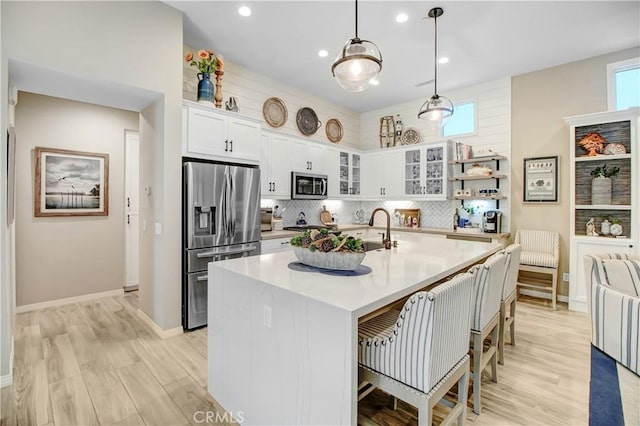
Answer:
x=487 y=286
x=508 y=302
x=419 y=353
x=540 y=254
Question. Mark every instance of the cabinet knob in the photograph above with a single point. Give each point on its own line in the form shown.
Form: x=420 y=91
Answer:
x=630 y=245
x=226 y=145
x=231 y=143
x=274 y=186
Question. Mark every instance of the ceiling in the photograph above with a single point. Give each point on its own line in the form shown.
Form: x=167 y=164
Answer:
x=483 y=40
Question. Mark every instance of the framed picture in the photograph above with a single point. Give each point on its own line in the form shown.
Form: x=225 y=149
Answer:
x=71 y=183
x=541 y=180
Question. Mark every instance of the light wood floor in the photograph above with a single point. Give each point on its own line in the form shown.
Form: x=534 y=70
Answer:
x=97 y=363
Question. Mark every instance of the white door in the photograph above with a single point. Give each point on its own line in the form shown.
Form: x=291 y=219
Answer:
x=281 y=167
x=131 y=203
x=244 y=139
x=207 y=133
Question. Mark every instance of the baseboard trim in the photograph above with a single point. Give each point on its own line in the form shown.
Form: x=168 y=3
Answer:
x=161 y=332
x=7 y=380
x=543 y=295
x=68 y=300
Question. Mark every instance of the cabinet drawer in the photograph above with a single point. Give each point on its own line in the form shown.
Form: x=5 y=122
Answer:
x=276 y=245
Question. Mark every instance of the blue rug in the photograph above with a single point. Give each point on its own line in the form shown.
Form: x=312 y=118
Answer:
x=605 y=406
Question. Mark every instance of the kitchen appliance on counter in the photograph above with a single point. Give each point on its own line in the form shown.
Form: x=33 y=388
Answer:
x=266 y=215
x=307 y=186
x=221 y=220
x=492 y=221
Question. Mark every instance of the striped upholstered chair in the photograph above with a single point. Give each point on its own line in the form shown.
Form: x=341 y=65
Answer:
x=540 y=254
x=487 y=286
x=508 y=301
x=419 y=353
x=614 y=305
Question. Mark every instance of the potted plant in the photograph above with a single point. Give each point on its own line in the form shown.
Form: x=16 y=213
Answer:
x=601 y=184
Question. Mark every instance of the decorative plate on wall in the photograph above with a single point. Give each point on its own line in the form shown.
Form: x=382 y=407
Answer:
x=334 y=131
x=275 y=112
x=307 y=121
x=410 y=136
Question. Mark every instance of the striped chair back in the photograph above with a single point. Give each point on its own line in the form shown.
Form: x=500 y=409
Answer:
x=617 y=270
x=511 y=275
x=539 y=241
x=430 y=336
x=487 y=290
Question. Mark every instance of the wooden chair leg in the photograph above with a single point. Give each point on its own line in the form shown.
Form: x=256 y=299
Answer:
x=393 y=404
x=512 y=327
x=463 y=395
x=554 y=288
x=495 y=340
x=477 y=371
x=503 y=320
x=425 y=415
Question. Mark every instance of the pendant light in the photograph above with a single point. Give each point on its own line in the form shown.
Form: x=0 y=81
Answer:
x=436 y=108
x=358 y=63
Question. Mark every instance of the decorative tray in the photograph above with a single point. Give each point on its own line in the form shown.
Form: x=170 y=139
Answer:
x=334 y=131
x=307 y=121
x=275 y=112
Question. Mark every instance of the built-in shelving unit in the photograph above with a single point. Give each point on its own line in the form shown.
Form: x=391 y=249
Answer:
x=462 y=177
x=479 y=159
x=618 y=127
x=495 y=177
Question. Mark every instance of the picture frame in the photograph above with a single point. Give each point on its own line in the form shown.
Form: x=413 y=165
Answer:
x=540 y=181
x=71 y=183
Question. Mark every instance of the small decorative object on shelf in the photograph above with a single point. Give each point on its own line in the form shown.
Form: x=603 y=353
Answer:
x=601 y=184
x=478 y=170
x=616 y=227
x=387 y=132
x=591 y=228
x=614 y=149
x=594 y=143
x=232 y=104
x=605 y=227
x=398 y=127
x=207 y=63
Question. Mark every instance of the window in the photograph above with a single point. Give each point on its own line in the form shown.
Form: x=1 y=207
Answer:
x=623 y=84
x=463 y=120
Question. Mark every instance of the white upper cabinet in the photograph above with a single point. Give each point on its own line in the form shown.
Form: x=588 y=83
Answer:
x=275 y=166
x=215 y=135
x=382 y=178
x=425 y=172
x=344 y=170
x=307 y=157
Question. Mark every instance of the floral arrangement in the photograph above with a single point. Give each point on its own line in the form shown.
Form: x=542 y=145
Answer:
x=324 y=241
x=206 y=61
x=604 y=172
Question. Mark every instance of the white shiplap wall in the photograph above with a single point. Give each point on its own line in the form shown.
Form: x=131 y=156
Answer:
x=493 y=100
x=252 y=89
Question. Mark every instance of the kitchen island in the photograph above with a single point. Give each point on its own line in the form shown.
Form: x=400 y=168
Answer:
x=282 y=344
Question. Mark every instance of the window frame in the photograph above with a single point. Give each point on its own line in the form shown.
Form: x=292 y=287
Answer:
x=612 y=69
x=474 y=132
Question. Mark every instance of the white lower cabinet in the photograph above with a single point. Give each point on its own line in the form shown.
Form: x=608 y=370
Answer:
x=275 y=166
x=382 y=174
x=275 y=245
x=581 y=246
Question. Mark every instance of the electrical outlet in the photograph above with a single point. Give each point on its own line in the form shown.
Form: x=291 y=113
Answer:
x=267 y=316
x=565 y=277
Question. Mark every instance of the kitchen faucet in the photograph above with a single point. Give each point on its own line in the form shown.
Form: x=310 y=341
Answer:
x=386 y=238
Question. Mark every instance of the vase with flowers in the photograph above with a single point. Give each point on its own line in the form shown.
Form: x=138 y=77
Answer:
x=207 y=63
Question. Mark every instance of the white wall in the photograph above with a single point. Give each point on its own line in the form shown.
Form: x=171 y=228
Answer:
x=493 y=100
x=75 y=255
x=131 y=45
x=252 y=89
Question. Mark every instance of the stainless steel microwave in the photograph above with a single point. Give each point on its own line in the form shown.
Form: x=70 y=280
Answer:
x=307 y=186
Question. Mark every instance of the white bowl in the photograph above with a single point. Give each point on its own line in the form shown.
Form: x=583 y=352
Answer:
x=339 y=260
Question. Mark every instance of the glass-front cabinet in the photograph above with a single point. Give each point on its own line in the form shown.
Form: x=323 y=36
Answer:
x=349 y=173
x=425 y=172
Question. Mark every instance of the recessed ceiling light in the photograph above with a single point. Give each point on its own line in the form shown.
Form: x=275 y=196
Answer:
x=401 y=17
x=323 y=53
x=443 y=60
x=374 y=82
x=244 y=11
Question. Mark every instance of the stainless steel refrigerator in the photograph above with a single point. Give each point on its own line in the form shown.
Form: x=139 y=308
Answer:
x=221 y=221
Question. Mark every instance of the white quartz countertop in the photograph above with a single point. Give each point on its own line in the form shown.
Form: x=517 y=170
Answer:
x=418 y=261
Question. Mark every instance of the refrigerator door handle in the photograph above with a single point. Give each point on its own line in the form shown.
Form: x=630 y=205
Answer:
x=202 y=278
x=226 y=253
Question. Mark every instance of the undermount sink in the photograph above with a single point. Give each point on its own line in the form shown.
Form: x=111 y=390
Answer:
x=372 y=245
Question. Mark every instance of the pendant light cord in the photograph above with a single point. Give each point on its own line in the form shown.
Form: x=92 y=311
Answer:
x=356 y=18
x=435 y=57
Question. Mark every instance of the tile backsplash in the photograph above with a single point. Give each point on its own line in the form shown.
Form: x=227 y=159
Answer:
x=433 y=214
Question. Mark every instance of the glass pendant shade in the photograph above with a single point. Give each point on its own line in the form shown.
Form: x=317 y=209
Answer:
x=357 y=64
x=436 y=108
